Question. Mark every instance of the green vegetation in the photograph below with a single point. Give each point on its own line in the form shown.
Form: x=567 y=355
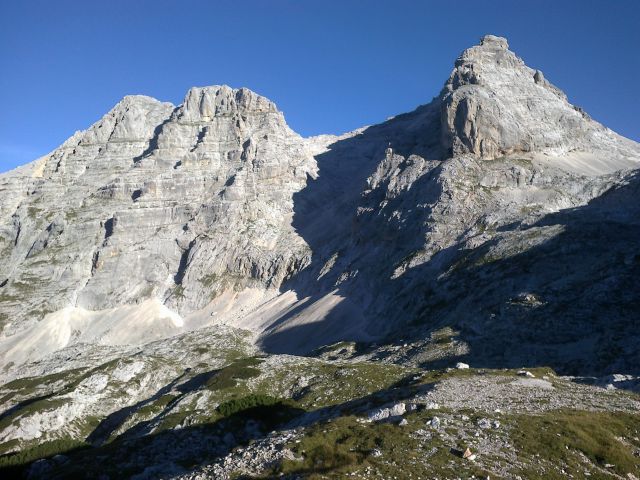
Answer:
x=509 y=161
x=22 y=288
x=331 y=383
x=345 y=446
x=179 y=291
x=33 y=212
x=43 y=450
x=154 y=407
x=4 y=319
x=610 y=440
x=434 y=376
x=529 y=209
x=218 y=282
x=228 y=376
x=37 y=404
x=338 y=348
x=40 y=312
x=210 y=279
x=26 y=384
x=70 y=214
x=443 y=336
x=338 y=445
x=236 y=405
x=544 y=444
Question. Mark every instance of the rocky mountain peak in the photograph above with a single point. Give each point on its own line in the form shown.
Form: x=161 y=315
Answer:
x=494 y=41
x=133 y=118
x=493 y=105
x=189 y=205
x=205 y=103
x=484 y=64
x=139 y=118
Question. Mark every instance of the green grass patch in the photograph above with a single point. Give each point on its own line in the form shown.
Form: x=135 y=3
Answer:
x=28 y=384
x=8 y=298
x=210 y=279
x=30 y=407
x=330 y=383
x=335 y=350
x=14 y=463
x=228 y=376
x=154 y=407
x=559 y=437
x=434 y=376
x=345 y=446
x=33 y=212
x=236 y=405
x=179 y=291
x=443 y=336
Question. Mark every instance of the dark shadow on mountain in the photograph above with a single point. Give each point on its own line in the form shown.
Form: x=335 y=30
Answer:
x=569 y=299
x=183 y=385
x=566 y=300
x=325 y=216
x=25 y=403
x=153 y=142
x=115 y=420
x=178 y=450
x=325 y=209
x=196 y=382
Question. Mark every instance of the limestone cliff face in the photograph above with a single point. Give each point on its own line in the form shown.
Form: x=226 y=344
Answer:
x=176 y=203
x=215 y=211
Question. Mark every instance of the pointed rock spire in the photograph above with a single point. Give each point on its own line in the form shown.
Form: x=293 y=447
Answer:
x=494 y=105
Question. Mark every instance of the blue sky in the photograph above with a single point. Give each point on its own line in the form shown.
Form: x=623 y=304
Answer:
x=331 y=66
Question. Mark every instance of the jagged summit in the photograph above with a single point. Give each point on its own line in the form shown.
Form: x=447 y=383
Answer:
x=494 y=41
x=140 y=117
x=492 y=105
x=133 y=118
x=205 y=103
x=495 y=105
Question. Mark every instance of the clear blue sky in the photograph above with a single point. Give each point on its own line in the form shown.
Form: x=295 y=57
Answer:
x=331 y=66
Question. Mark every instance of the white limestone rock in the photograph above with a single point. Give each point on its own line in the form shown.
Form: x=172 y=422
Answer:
x=385 y=413
x=494 y=105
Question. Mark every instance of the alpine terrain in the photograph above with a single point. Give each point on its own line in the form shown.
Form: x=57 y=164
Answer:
x=197 y=291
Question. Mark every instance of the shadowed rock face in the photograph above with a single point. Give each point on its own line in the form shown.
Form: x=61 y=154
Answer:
x=216 y=211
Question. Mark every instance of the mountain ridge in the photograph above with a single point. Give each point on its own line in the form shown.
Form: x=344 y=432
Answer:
x=233 y=162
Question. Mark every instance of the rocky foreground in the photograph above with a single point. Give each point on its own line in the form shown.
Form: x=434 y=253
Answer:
x=196 y=291
x=237 y=413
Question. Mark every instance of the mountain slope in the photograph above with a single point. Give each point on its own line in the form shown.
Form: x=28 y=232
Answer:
x=402 y=228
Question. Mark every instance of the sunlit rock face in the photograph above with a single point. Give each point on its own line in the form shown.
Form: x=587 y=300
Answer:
x=494 y=105
x=155 y=201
